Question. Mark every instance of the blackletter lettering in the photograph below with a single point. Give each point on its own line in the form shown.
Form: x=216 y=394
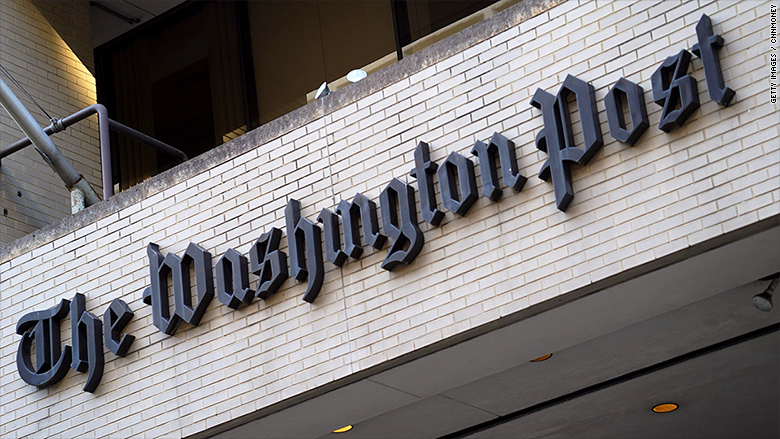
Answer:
x=707 y=49
x=402 y=229
x=86 y=336
x=423 y=171
x=333 y=252
x=459 y=203
x=80 y=360
x=233 y=280
x=51 y=361
x=637 y=111
x=363 y=209
x=156 y=295
x=675 y=91
x=505 y=149
x=305 y=244
x=115 y=318
x=204 y=284
x=267 y=262
x=557 y=137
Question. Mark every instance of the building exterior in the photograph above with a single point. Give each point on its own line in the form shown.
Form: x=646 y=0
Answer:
x=639 y=285
x=47 y=46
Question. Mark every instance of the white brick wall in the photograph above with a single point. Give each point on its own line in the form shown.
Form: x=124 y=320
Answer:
x=56 y=72
x=632 y=205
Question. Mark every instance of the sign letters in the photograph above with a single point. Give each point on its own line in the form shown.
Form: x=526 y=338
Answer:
x=86 y=354
x=672 y=88
x=557 y=138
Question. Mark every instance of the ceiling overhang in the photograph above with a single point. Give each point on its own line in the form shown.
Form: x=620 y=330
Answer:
x=652 y=317
x=112 y=18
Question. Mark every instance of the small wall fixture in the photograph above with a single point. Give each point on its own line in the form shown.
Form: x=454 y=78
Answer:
x=763 y=301
x=322 y=91
x=343 y=429
x=542 y=358
x=665 y=408
x=356 y=75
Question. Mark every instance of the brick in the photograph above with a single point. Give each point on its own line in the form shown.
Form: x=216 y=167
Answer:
x=632 y=205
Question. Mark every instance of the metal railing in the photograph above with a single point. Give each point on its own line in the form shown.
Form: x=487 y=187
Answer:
x=104 y=125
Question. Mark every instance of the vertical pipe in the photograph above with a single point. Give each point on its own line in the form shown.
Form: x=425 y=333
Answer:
x=401 y=30
x=105 y=151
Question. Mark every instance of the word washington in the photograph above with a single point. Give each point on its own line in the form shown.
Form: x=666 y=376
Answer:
x=672 y=88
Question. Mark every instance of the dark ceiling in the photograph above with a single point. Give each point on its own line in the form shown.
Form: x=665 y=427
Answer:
x=685 y=333
x=107 y=25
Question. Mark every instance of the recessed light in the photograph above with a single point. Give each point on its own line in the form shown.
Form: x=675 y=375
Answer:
x=665 y=408
x=542 y=358
x=343 y=429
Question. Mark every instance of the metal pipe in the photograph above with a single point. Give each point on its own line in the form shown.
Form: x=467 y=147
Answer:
x=104 y=125
x=30 y=127
x=104 y=138
x=60 y=125
x=19 y=145
x=401 y=32
x=113 y=125
x=105 y=148
x=148 y=140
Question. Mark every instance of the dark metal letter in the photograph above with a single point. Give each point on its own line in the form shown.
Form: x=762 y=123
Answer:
x=423 y=171
x=505 y=149
x=457 y=202
x=305 y=244
x=549 y=140
x=672 y=88
x=557 y=138
x=333 y=252
x=80 y=359
x=204 y=284
x=268 y=263
x=233 y=280
x=403 y=228
x=156 y=294
x=636 y=110
x=51 y=361
x=589 y=117
x=364 y=210
x=707 y=49
x=115 y=318
x=87 y=338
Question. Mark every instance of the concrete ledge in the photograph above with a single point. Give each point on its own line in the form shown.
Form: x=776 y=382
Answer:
x=414 y=63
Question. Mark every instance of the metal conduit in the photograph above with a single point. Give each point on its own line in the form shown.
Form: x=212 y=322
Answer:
x=30 y=127
x=104 y=125
x=147 y=140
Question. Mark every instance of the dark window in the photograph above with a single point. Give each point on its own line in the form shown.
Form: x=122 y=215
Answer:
x=181 y=79
x=206 y=72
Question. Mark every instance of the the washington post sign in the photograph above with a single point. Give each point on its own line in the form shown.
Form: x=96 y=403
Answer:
x=672 y=89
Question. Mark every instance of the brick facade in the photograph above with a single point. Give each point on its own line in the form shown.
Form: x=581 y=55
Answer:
x=57 y=73
x=633 y=205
